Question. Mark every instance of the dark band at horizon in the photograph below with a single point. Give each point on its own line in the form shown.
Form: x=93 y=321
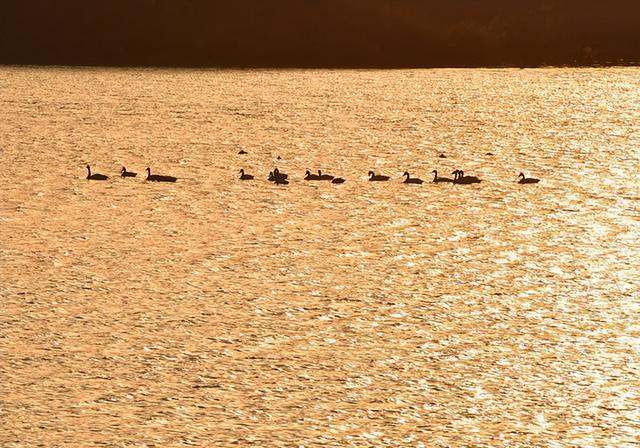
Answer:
x=327 y=33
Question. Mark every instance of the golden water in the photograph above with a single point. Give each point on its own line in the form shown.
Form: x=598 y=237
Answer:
x=215 y=312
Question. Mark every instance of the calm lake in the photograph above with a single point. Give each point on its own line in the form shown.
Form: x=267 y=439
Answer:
x=219 y=312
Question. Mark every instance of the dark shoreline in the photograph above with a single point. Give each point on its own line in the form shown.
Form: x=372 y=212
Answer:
x=324 y=67
x=321 y=33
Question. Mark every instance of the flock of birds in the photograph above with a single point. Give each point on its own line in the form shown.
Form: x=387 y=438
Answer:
x=125 y=173
x=282 y=179
x=458 y=178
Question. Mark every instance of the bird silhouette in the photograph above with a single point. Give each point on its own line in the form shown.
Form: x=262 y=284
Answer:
x=277 y=177
x=373 y=177
x=95 y=176
x=411 y=180
x=125 y=173
x=460 y=178
x=324 y=176
x=440 y=179
x=244 y=176
x=159 y=178
x=527 y=180
x=309 y=176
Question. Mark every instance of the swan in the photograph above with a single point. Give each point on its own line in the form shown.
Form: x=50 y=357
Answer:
x=465 y=180
x=410 y=180
x=276 y=175
x=243 y=152
x=309 y=176
x=244 y=176
x=95 y=176
x=324 y=176
x=527 y=180
x=440 y=179
x=277 y=178
x=373 y=177
x=125 y=173
x=159 y=178
x=337 y=180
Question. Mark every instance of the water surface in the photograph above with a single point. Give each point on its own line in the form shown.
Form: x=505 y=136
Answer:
x=214 y=312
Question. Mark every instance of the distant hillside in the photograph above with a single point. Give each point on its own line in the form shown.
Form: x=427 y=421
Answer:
x=320 y=33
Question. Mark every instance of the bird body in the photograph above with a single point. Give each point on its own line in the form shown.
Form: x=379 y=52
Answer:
x=411 y=180
x=324 y=176
x=337 y=180
x=309 y=176
x=278 y=177
x=373 y=177
x=460 y=178
x=125 y=173
x=440 y=179
x=159 y=178
x=277 y=173
x=527 y=180
x=244 y=176
x=95 y=176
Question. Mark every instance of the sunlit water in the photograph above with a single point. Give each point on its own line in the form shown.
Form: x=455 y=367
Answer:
x=215 y=312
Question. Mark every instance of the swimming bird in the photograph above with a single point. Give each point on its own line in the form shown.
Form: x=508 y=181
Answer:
x=277 y=173
x=465 y=180
x=373 y=177
x=125 y=173
x=410 y=180
x=440 y=179
x=244 y=176
x=337 y=180
x=527 y=180
x=159 y=178
x=324 y=176
x=309 y=176
x=243 y=152
x=442 y=155
x=95 y=176
x=278 y=177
